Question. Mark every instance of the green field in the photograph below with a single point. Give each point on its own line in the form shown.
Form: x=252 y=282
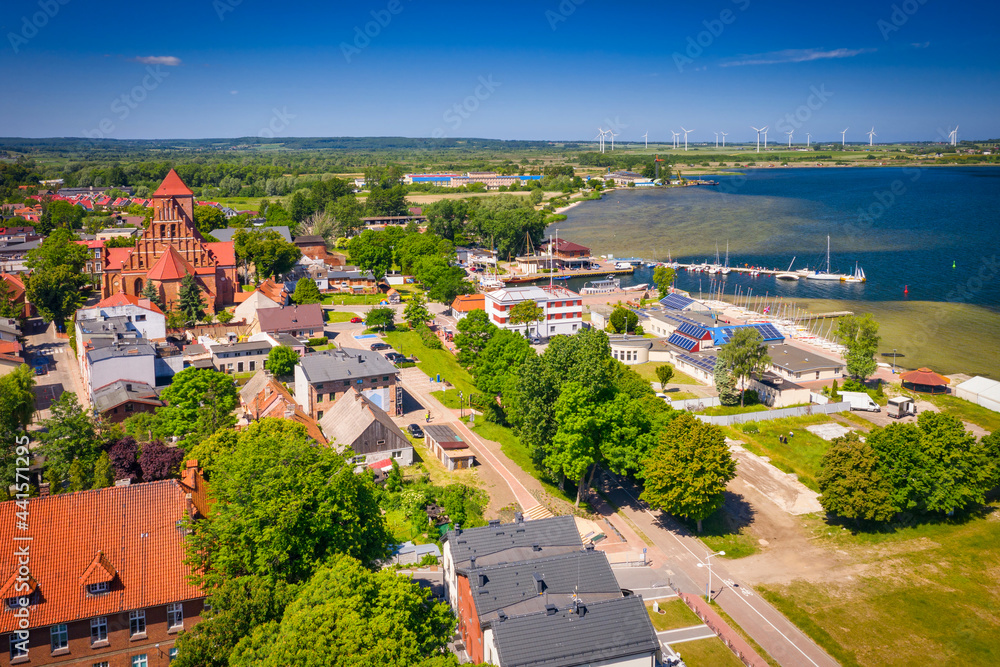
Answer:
x=802 y=454
x=707 y=653
x=647 y=371
x=924 y=593
x=353 y=299
x=333 y=316
x=432 y=362
x=673 y=614
x=967 y=411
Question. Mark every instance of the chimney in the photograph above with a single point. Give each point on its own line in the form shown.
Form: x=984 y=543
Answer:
x=43 y=489
x=458 y=530
x=535 y=547
x=539 y=583
x=518 y=517
x=189 y=476
x=550 y=610
x=472 y=563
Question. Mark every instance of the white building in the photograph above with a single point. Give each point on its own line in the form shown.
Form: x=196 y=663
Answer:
x=562 y=310
x=142 y=315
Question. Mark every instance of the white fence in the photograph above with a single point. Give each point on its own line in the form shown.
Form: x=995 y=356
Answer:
x=767 y=415
x=695 y=404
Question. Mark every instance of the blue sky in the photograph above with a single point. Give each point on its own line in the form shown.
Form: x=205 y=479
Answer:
x=511 y=70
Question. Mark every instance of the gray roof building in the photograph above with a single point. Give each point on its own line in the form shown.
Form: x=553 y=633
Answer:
x=120 y=392
x=339 y=364
x=120 y=350
x=792 y=359
x=513 y=541
x=226 y=234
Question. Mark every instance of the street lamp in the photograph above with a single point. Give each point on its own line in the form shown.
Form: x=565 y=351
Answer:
x=461 y=405
x=893 y=361
x=708 y=586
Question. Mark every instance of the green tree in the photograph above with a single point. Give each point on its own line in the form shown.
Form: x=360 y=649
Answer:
x=371 y=251
x=441 y=279
x=381 y=318
x=499 y=361
x=474 y=331
x=199 y=401
x=17 y=404
x=151 y=292
x=574 y=447
x=859 y=334
x=629 y=431
x=78 y=477
x=285 y=520
x=104 y=472
x=382 y=202
x=663 y=278
x=446 y=217
x=306 y=291
x=68 y=435
x=56 y=293
x=208 y=218
x=266 y=251
x=298 y=206
x=60 y=248
x=416 y=311
x=281 y=360
x=351 y=617
x=347 y=212
x=525 y=313
x=225 y=316
x=686 y=474
x=852 y=484
x=59 y=214
x=745 y=355
x=622 y=320
x=664 y=373
x=8 y=307
x=191 y=302
x=725 y=383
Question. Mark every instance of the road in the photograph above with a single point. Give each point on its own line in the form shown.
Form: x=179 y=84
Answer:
x=62 y=370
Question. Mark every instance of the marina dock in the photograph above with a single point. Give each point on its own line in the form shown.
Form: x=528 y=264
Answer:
x=514 y=279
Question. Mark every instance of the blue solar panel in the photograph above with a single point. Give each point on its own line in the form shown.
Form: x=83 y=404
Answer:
x=769 y=332
x=692 y=330
x=682 y=342
x=676 y=301
x=704 y=363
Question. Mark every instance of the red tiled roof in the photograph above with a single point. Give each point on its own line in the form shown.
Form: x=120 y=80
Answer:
x=170 y=266
x=116 y=257
x=272 y=290
x=133 y=528
x=466 y=303
x=224 y=251
x=924 y=376
x=14 y=282
x=93 y=243
x=122 y=299
x=10 y=347
x=172 y=185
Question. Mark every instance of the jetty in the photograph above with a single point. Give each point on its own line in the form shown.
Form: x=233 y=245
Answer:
x=824 y=316
x=513 y=279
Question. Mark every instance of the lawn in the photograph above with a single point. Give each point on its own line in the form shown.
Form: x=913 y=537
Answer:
x=719 y=537
x=707 y=653
x=449 y=398
x=432 y=362
x=966 y=411
x=680 y=395
x=802 y=454
x=647 y=371
x=673 y=614
x=929 y=590
x=733 y=409
x=333 y=316
x=353 y=299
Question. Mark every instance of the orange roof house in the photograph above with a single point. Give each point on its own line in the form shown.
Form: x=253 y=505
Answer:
x=16 y=289
x=170 y=248
x=122 y=299
x=466 y=303
x=99 y=561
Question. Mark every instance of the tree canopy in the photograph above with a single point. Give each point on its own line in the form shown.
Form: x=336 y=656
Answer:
x=68 y=435
x=200 y=401
x=306 y=291
x=281 y=360
x=859 y=334
x=371 y=251
x=745 y=355
x=474 y=331
x=57 y=278
x=266 y=251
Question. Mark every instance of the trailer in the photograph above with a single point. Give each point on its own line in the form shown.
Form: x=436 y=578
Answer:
x=900 y=406
x=861 y=401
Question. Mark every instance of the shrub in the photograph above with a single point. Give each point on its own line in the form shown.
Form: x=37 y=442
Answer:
x=314 y=342
x=427 y=336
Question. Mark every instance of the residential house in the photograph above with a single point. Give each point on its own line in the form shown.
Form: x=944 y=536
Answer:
x=799 y=365
x=11 y=356
x=141 y=314
x=352 y=282
x=303 y=321
x=314 y=247
x=247 y=311
x=274 y=291
x=777 y=392
x=281 y=339
x=133 y=361
x=22 y=234
x=355 y=422
x=243 y=357
x=466 y=303
x=564 y=609
x=95 y=260
x=14 y=256
x=107 y=582
x=9 y=329
x=15 y=287
x=263 y=396
x=448 y=447
x=562 y=309
x=323 y=377
x=121 y=399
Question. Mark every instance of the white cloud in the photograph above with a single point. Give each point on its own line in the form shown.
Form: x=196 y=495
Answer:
x=794 y=56
x=169 y=61
x=234 y=92
x=920 y=45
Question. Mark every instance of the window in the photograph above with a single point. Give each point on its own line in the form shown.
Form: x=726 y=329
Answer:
x=385 y=378
x=175 y=615
x=101 y=586
x=347 y=383
x=140 y=661
x=239 y=367
x=137 y=623
x=172 y=655
x=98 y=629
x=397 y=454
x=380 y=442
x=59 y=634
x=140 y=318
x=319 y=415
x=253 y=365
x=101 y=664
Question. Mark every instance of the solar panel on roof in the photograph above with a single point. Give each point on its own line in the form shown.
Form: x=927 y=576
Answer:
x=676 y=301
x=692 y=330
x=682 y=342
x=769 y=332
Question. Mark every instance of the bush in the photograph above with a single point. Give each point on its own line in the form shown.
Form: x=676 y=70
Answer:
x=314 y=342
x=488 y=406
x=750 y=428
x=427 y=336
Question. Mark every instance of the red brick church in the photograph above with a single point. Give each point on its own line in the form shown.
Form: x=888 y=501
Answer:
x=170 y=248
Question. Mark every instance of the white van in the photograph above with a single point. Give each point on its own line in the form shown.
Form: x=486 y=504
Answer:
x=860 y=400
x=623 y=265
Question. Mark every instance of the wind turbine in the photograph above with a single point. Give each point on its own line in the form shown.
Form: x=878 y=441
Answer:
x=871 y=136
x=843 y=141
x=600 y=138
x=789 y=133
x=765 y=137
x=646 y=137
x=676 y=134
x=685 y=136
x=953 y=135
x=723 y=138
x=716 y=139
x=808 y=137
x=613 y=135
x=759 y=130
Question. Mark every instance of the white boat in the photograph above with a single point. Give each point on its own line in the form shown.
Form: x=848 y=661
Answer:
x=826 y=275
x=725 y=269
x=857 y=277
x=787 y=274
x=602 y=286
x=636 y=288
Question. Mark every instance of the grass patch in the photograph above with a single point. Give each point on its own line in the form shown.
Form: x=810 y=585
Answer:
x=707 y=653
x=802 y=454
x=334 y=316
x=353 y=299
x=717 y=536
x=647 y=371
x=401 y=528
x=966 y=411
x=448 y=398
x=673 y=614
x=512 y=448
x=720 y=410
x=929 y=590
x=432 y=362
x=680 y=395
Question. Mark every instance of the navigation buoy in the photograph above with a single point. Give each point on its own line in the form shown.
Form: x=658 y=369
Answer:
x=953 y=264
x=906 y=289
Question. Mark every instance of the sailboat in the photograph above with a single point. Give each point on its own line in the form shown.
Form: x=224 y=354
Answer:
x=715 y=268
x=826 y=275
x=788 y=275
x=857 y=277
x=725 y=269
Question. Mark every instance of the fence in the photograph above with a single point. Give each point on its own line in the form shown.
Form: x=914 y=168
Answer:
x=695 y=404
x=767 y=415
x=736 y=644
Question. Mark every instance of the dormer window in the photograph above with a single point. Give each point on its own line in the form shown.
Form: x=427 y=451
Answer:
x=100 y=588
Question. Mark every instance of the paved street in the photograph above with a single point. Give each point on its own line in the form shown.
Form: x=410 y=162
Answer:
x=62 y=371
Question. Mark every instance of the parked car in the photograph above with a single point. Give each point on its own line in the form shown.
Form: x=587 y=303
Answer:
x=536 y=341
x=415 y=430
x=40 y=370
x=375 y=347
x=395 y=357
x=356 y=320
